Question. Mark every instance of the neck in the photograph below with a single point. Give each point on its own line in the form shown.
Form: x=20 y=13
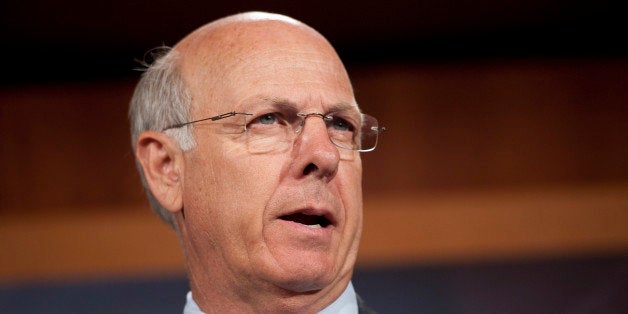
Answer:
x=213 y=298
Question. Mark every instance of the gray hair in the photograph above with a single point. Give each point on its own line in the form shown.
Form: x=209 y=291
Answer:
x=161 y=99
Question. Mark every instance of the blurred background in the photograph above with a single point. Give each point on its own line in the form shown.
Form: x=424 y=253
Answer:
x=501 y=185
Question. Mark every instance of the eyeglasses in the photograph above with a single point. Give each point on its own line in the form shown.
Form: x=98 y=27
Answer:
x=277 y=130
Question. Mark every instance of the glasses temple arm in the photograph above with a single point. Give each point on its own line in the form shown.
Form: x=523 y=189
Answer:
x=214 y=118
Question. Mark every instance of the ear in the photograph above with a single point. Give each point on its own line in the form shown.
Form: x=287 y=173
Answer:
x=161 y=160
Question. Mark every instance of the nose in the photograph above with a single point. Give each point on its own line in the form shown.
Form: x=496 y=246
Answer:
x=317 y=155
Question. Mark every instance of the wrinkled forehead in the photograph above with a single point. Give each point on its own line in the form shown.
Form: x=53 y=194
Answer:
x=232 y=61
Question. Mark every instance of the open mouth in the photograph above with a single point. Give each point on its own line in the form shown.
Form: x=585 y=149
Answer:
x=312 y=221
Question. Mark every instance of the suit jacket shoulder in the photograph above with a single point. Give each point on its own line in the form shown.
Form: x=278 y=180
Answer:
x=362 y=308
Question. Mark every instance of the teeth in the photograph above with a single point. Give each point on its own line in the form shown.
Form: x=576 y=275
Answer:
x=316 y=226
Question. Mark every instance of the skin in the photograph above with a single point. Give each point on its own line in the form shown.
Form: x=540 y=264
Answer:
x=240 y=256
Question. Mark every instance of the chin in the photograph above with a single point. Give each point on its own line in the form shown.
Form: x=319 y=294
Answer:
x=306 y=272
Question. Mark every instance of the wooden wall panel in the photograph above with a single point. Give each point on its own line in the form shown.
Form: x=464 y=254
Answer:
x=399 y=229
x=496 y=123
x=450 y=126
x=66 y=146
x=552 y=129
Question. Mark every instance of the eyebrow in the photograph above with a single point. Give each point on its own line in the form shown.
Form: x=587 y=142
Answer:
x=286 y=104
x=344 y=106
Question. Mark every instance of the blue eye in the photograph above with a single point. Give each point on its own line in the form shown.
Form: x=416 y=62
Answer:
x=268 y=118
x=340 y=124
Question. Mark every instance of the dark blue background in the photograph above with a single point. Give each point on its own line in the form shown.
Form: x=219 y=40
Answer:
x=570 y=285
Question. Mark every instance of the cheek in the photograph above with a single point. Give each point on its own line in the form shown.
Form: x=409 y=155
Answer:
x=257 y=177
x=352 y=195
x=350 y=180
x=242 y=187
x=226 y=197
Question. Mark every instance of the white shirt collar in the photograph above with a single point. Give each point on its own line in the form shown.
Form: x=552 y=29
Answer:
x=190 y=306
x=345 y=304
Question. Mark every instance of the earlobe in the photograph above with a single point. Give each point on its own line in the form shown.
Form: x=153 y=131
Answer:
x=162 y=163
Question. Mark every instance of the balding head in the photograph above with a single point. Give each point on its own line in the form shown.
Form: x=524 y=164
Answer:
x=217 y=57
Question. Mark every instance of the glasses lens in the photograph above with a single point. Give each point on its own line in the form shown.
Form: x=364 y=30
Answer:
x=269 y=133
x=359 y=138
x=369 y=133
x=276 y=132
x=235 y=124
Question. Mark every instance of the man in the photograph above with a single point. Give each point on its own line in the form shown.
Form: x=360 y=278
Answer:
x=248 y=139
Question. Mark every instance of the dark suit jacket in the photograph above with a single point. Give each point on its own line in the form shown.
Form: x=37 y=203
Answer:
x=362 y=308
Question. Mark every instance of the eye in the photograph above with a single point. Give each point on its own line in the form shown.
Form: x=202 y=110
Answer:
x=267 y=118
x=340 y=124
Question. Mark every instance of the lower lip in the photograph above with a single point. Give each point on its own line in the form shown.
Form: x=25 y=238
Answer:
x=301 y=229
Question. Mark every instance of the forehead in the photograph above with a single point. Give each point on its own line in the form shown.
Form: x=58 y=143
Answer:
x=228 y=66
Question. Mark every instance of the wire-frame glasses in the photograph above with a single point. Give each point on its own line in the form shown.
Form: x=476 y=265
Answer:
x=277 y=130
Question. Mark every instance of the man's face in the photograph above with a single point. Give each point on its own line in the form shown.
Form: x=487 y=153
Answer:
x=289 y=218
